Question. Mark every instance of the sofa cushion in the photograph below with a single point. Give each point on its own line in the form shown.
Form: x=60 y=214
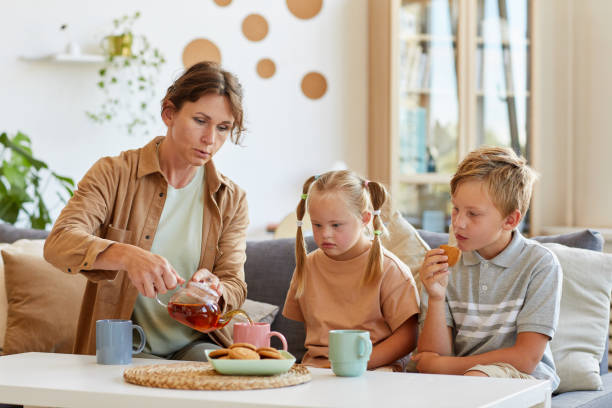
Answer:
x=3 y=302
x=586 y=399
x=404 y=241
x=10 y=234
x=580 y=340
x=43 y=302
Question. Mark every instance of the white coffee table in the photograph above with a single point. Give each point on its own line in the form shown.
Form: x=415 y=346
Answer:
x=65 y=380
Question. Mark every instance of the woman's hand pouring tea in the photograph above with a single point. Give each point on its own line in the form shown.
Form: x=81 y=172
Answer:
x=208 y=281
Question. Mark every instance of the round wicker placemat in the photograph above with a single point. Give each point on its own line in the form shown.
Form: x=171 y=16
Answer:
x=201 y=376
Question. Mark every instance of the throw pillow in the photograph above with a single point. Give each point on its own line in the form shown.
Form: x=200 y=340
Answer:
x=3 y=303
x=580 y=340
x=257 y=311
x=406 y=243
x=43 y=302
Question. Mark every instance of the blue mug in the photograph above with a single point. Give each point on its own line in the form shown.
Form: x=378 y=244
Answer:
x=349 y=352
x=114 y=341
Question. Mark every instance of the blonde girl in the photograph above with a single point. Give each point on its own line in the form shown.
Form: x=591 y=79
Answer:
x=350 y=281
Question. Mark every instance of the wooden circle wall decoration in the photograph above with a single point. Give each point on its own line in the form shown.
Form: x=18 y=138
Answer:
x=199 y=50
x=314 y=85
x=255 y=27
x=223 y=3
x=304 y=9
x=266 y=68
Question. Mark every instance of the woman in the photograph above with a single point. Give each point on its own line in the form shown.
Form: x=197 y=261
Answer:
x=143 y=222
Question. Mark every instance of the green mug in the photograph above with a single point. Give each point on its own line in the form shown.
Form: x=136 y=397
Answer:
x=349 y=352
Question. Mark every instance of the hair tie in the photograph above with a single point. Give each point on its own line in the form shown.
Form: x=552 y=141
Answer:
x=376 y=212
x=317 y=176
x=304 y=196
x=299 y=223
x=377 y=232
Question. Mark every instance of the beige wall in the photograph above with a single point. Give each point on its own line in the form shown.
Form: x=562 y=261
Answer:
x=592 y=113
x=573 y=85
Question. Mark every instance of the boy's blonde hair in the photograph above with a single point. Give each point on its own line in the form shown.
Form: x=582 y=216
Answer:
x=507 y=176
x=360 y=195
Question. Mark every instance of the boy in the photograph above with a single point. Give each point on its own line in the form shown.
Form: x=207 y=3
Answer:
x=495 y=313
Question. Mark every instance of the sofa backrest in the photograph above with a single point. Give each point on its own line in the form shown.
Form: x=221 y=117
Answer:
x=10 y=234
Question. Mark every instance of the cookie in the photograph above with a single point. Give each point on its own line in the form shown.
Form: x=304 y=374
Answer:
x=453 y=254
x=269 y=352
x=243 y=353
x=218 y=353
x=272 y=349
x=245 y=345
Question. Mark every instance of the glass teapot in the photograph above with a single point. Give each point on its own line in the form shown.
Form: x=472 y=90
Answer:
x=196 y=305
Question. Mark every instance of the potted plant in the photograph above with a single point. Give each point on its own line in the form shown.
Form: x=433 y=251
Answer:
x=24 y=181
x=128 y=78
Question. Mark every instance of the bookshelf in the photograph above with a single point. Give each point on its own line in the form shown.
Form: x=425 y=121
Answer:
x=446 y=76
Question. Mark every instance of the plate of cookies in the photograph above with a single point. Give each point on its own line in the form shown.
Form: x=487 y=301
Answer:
x=246 y=359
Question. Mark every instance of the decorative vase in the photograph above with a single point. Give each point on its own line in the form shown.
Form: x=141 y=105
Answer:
x=118 y=45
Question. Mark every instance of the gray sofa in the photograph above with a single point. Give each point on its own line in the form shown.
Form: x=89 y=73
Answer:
x=270 y=265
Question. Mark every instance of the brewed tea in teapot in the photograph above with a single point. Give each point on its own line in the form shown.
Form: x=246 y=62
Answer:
x=196 y=306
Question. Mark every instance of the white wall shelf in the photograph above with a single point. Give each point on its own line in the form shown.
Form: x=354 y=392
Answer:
x=66 y=58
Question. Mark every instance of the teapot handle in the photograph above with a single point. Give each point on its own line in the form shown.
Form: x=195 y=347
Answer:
x=160 y=302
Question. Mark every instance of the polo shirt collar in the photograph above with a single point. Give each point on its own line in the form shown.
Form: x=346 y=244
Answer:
x=149 y=164
x=505 y=258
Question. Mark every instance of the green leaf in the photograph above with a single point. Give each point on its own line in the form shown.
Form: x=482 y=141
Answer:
x=22 y=150
x=65 y=179
x=102 y=71
x=101 y=84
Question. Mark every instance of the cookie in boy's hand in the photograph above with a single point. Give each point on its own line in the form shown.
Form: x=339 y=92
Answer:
x=452 y=252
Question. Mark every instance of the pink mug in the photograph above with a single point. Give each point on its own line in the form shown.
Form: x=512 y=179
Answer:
x=258 y=334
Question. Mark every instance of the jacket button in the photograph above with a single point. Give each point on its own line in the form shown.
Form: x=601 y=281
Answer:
x=69 y=270
x=161 y=194
x=85 y=264
x=147 y=237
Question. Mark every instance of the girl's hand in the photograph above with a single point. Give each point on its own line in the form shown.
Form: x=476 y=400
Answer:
x=434 y=274
x=210 y=280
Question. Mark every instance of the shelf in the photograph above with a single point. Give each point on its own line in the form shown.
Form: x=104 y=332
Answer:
x=502 y=95
x=423 y=91
x=412 y=38
x=425 y=178
x=67 y=58
x=521 y=42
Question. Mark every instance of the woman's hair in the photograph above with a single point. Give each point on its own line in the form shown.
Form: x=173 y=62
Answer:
x=206 y=78
x=360 y=195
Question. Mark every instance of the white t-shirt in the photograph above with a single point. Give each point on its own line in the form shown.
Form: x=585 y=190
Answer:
x=178 y=239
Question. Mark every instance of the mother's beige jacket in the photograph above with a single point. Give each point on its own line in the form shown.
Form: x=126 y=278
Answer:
x=120 y=199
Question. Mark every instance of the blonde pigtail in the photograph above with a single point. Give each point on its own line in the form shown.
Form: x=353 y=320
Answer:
x=300 y=243
x=378 y=196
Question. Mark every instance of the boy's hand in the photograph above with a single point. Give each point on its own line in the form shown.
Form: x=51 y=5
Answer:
x=426 y=361
x=434 y=274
